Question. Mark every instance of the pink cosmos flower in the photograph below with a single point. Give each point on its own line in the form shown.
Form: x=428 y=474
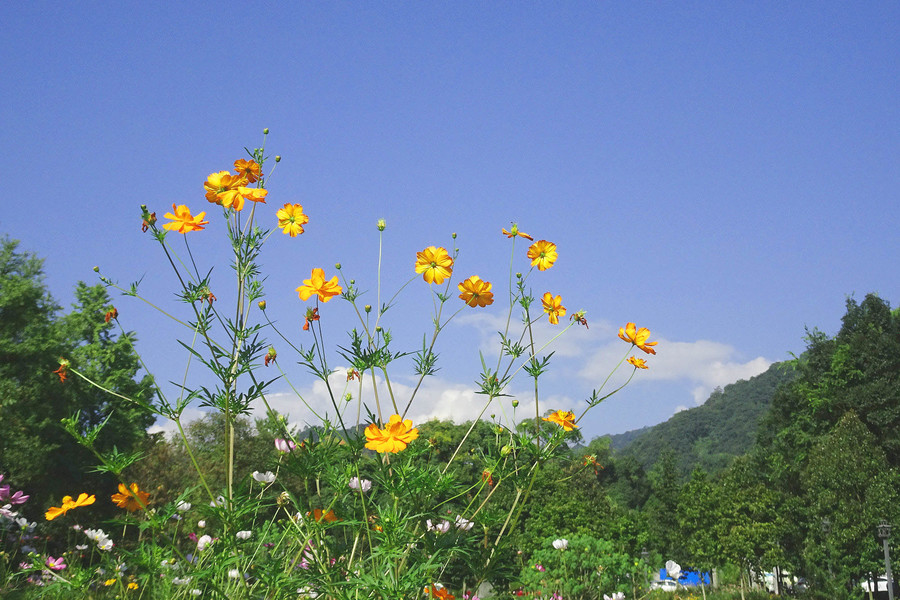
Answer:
x=284 y=446
x=56 y=564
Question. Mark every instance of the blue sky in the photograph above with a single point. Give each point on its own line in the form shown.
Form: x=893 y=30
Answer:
x=725 y=174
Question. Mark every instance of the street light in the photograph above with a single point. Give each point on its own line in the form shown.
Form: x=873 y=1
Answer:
x=884 y=532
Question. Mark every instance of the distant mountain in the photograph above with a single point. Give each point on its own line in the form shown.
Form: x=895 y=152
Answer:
x=712 y=434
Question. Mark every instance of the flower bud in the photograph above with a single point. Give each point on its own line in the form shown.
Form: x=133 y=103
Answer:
x=278 y=158
x=337 y=266
x=96 y=269
x=266 y=131
x=518 y=276
x=515 y=403
x=506 y=450
x=378 y=329
x=367 y=308
x=381 y=224
x=261 y=304
x=453 y=235
x=352 y=281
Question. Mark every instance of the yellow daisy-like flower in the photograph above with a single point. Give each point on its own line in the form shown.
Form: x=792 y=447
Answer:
x=253 y=194
x=132 y=586
x=183 y=221
x=109 y=582
x=68 y=504
x=291 y=219
x=435 y=264
x=316 y=285
x=223 y=188
x=476 y=292
x=127 y=498
x=553 y=307
x=248 y=169
x=542 y=254
x=563 y=418
x=630 y=333
x=393 y=438
x=639 y=363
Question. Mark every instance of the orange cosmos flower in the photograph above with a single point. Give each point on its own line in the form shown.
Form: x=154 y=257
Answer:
x=639 y=363
x=476 y=292
x=638 y=337
x=542 y=254
x=316 y=285
x=553 y=307
x=393 y=438
x=440 y=593
x=253 y=194
x=111 y=314
x=68 y=504
x=435 y=264
x=291 y=219
x=312 y=314
x=63 y=370
x=564 y=419
x=183 y=221
x=128 y=498
x=514 y=231
x=248 y=169
x=223 y=188
x=320 y=515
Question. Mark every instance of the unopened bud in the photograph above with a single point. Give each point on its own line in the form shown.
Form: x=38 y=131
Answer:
x=367 y=308
x=337 y=266
x=518 y=276
x=261 y=304
x=505 y=450
x=266 y=131
x=381 y=224
x=352 y=281
x=278 y=158
x=378 y=329
x=453 y=235
x=515 y=403
x=96 y=269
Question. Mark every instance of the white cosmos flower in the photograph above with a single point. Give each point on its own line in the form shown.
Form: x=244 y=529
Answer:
x=183 y=506
x=560 y=544
x=442 y=527
x=203 y=542
x=243 y=535
x=267 y=477
x=463 y=524
x=360 y=484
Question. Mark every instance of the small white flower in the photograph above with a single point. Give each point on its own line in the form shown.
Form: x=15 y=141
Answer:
x=615 y=596
x=218 y=502
x=203 y=542
x=561 y=544
x=243 y=535
x=81 y=546
x=183 y=506
x=234 y=573
x=181 y=580
x=195 y=592
x=360 y=484
x=267 y=477
x=463 y=524
x=201 y=524
x=442 y=527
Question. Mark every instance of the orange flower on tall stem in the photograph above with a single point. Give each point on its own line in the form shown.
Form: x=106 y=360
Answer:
x=63 y=370
x=563 y=418
x=291 y=219
x=630 y=333
x=542 y=254
x=553 y=307
x=68 y=504
x=223 y=188
x=440 y=593
x=183 y=221
x=248 y=169
x=321 y=515
x=254 y=194
x=312 y=314
x=132 y=498
x=514 y=231
x=435 y=264
x=639 y=363
x=476 y=292
x=395 y=436
x=317 y=286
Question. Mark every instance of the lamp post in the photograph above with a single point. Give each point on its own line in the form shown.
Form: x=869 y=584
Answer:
x=884 y=532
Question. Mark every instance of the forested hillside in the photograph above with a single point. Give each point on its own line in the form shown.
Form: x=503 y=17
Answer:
x=711 y=435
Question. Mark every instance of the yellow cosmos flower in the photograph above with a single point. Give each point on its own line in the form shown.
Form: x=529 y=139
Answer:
x=248 y=169
x=128 y=498
x=316 y=285
x=639 y=363
x=393 y=438
x=253 y=194
x=476 y=292
x=223 y=188
x=109 y=582
x=183 y=221
x=291 y=219
x=564 y=419
x=638 y=337
x=542 y=254
x=132 y=586
x=553 y=307
x=435 y=264
x=68 y=504
x=514 y=231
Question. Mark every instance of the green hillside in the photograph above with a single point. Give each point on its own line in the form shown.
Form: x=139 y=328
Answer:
x=710 y=435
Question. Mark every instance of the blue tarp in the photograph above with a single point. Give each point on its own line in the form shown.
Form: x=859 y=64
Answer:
x=687 y=577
